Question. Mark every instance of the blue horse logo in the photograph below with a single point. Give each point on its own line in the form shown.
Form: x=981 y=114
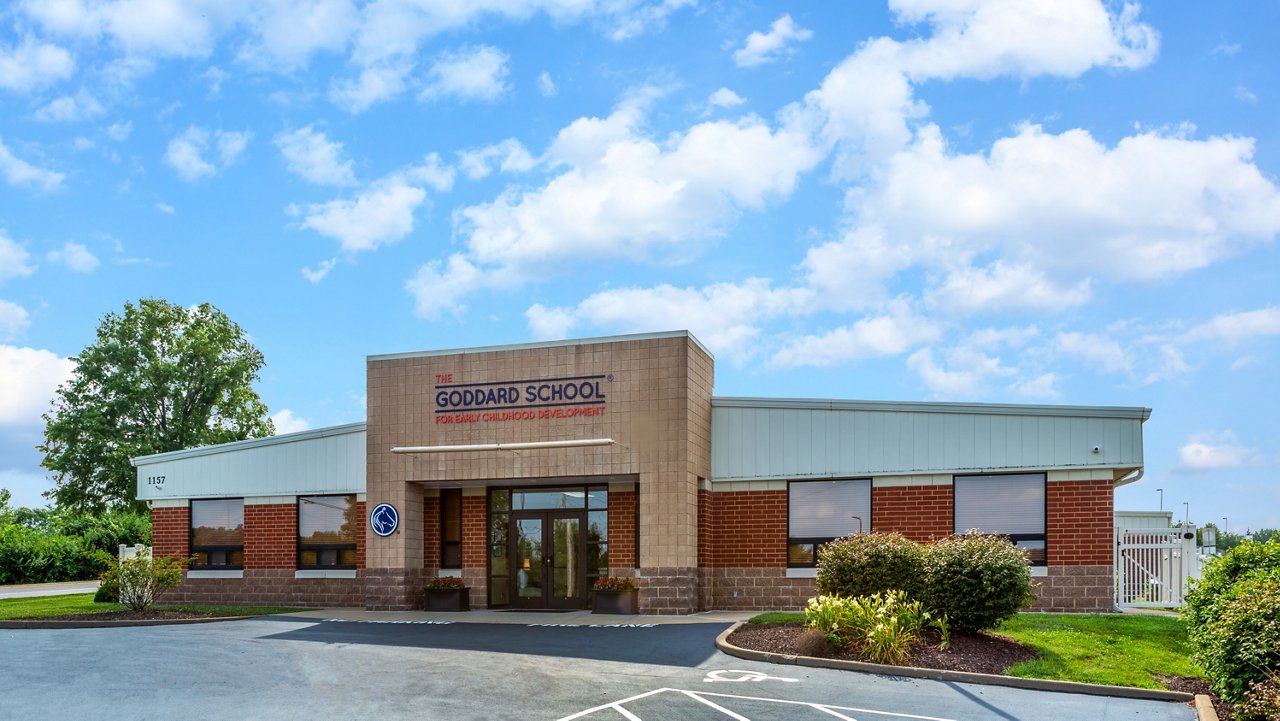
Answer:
x=384 y=519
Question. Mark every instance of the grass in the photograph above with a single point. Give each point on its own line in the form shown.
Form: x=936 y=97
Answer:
x=20 y=608
x=1112 y=649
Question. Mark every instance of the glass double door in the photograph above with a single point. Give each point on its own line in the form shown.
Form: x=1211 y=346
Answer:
x=548 y=552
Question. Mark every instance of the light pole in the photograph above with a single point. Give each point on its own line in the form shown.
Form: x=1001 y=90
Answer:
x=1161 y=492
x=1186 y=507
x=1224 y=524
x=859 y=520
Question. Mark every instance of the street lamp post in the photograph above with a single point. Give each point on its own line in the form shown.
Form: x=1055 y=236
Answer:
x=1224 y=524
x=1161 y=492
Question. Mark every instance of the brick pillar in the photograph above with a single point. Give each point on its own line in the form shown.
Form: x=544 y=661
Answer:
x=622 y=532
x=171 y=531
x=431 y=535
x=1081 y=538
x=475 y=547
x=921 y=513
x=270 y=536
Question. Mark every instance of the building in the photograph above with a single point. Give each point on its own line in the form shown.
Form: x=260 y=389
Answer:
x=531 y=470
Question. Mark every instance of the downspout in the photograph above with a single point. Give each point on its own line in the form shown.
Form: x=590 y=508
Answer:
x=1132 y=477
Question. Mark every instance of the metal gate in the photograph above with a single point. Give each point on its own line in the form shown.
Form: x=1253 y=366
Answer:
x=1154 y=565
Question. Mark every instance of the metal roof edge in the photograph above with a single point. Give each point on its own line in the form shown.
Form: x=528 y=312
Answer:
x=246 y=444
x=544 y=344
x=1011 y=409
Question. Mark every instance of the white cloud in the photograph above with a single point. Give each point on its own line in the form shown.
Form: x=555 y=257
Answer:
x=546 y=86
x=18 y=172
x=1042 y=386
x=1244 y=362
x=1095 y=349
x=76 y=257
x=1004 y=288
x=375 y=84
x=873 y=336
x=186 y=152
x=13 y=258
x=1245 y=95
x=550 y=323
x=382 y=213
x=966 y=374
x=120 y=131
x=31 y=64
x=309 y=154
x=320 y=271
x=71 y=108
x=13 y=319
x=725 y=98
x=165 y=208
x=477 y=73
x=760 y=48
x=161 y=28
x=287 y=422
x=1235 y=327
x=28 y=379
x=286 y=33
x=508 y=156
x=433 y=171
x=1209 y=451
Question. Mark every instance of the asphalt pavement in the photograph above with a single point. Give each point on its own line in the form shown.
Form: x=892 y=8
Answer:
x=286 y=667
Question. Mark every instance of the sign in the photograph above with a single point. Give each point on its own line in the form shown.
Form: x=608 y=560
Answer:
x=384 y=520
x=536 y=399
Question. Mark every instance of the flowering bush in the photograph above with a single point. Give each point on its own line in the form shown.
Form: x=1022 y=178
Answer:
x=615 y=583
x=882 y=626
x=445 y=583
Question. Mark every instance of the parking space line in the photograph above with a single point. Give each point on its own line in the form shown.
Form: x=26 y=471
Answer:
x=700 y=697
x=721 y=709
x=617 y=706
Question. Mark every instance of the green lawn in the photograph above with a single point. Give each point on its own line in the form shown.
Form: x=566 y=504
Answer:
x=1113 y=649
x=18 y=608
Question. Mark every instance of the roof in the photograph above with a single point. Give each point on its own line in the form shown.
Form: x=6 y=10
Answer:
x=545 y=344
x=250 y=443
x=1002 y=409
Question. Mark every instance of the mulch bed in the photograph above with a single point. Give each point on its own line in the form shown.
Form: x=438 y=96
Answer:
x=148 y=615
x=975 y=653
x=1197 y=686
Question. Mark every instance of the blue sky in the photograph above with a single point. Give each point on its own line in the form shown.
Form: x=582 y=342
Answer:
x=921 y=200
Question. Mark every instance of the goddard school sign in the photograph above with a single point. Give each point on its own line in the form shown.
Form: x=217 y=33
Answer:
x=536 y=399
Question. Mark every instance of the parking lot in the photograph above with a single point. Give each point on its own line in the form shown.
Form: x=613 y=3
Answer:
x=295 y=668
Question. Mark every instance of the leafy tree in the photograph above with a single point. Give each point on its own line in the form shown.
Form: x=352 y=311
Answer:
x=159 y=377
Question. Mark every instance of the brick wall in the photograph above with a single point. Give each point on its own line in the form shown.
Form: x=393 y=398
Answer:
x=622 y=530
x=1079 y=523
x=271 y=586
x=360 y=539
x=1079 y=589
x=271 y=535
x=922 y=513
x=758 y=589
x=171 y=531
x=749 y=529
x=431 y=532
x=475 y=551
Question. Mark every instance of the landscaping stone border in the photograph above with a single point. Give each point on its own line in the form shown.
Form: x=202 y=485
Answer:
x=722 y=643
x=87 y=623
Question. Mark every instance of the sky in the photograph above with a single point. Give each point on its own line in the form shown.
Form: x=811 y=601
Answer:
x=1069 y=202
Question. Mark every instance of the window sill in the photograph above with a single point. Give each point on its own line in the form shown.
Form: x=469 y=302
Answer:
x=1039 y=571
x=802 y=573
x=449 y=572
x=216 y=574
x=325 y=573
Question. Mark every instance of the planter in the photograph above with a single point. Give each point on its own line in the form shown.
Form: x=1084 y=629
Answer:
x=624 y=602
x=448 y=599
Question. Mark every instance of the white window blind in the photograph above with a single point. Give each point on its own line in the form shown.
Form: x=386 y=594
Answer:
x=1010 y=505
x=217 y=522
x=826 y=509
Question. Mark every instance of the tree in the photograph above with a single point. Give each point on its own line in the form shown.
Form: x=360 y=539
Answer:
x=159 y=377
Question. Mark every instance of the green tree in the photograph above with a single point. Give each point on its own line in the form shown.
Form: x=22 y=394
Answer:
x=159 y=377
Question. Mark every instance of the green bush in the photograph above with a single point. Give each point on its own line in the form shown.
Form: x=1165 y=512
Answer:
x=141 y=579
x=42 y=545
x=1261 y=701
x=1240 y=644
x=882 y=627
x=869 y=563
x=1248 y=560
x=976 y=581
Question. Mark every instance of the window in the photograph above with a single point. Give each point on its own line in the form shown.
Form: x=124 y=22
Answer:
x=217 y=534
x=451 y=528
x=327 y=531
x=1010 y=505
x=822 y=511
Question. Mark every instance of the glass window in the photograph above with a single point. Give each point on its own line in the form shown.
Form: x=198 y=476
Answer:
x=551 y=499
x=451 y=528
x=1008 y=505
x=822 y=511
x=217 y=533
x=327 y=531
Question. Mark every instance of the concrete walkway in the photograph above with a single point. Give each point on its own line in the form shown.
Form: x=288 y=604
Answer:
x=33 y=590
x=524 y=618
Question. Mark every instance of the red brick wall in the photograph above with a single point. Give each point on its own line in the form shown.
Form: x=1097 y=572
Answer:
x=622 y=530
x=749 y=529
x=360 y=539
x=475 y=531
x=1079 y=523
x=706 y=499
x=171 y=531
x=922 y=513
x=431 y=532
x=271 y=535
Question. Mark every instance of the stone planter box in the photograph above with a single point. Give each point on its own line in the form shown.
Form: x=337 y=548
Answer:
x=448 y=599
x=622 y=602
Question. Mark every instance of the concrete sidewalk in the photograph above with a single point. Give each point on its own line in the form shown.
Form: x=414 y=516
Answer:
x=524 y=618
x=34 y=590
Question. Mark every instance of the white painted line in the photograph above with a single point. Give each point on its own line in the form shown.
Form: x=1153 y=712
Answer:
x=614 y=704
x=824 y=709
x=829 y=706
x=717 y=707
x=714 y=676
x=626 y=714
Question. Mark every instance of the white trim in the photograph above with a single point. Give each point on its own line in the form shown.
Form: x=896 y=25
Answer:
x=600 y=340
x=449 y=572
x=215 y=574
x=802 y=573
x=932 y=479
x=272 y=500
x=1039 y=571
x=169 y=502
x=325 y=573
x=988 y=409
x=899 y=474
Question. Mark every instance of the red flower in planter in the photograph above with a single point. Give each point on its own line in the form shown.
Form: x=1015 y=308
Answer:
x=445 y=583
x=615 y=583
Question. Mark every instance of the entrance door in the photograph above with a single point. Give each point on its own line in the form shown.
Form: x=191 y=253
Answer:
x=548 y=552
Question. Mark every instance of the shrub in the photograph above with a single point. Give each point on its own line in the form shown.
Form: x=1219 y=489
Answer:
x=1262 y=700
x=445 y=583
x=141 y=579
x=883 y=627
x=1248 y=560
x=1240 y=645
x=976 y=581
x=865 y=564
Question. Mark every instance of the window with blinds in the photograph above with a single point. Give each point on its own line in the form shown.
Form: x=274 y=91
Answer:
x=1009 y=505
x=327 y=527
x=217 y=534
x=822 y=511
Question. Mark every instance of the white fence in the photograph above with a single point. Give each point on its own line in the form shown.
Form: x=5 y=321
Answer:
x=1154 y=566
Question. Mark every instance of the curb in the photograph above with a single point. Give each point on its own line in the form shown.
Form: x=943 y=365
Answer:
x=1204 y=708
x=1035 y=684
x=37 y=623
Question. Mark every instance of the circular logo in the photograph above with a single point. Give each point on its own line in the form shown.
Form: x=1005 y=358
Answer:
x=384 y=520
